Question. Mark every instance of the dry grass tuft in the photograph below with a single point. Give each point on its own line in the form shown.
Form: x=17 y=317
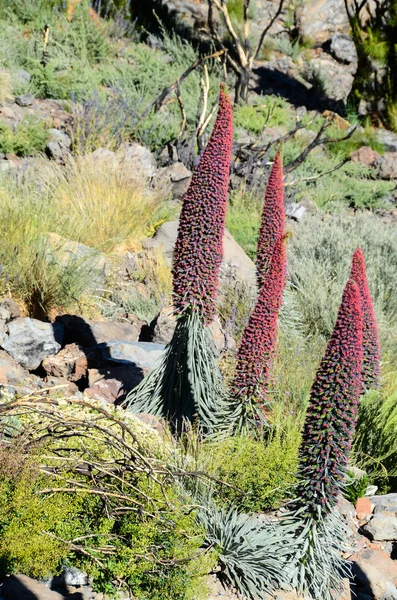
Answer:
x=100 y=202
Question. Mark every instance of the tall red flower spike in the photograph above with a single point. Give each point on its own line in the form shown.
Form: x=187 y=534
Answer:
x=273 y=219
x=371 y=345
x=199 y=247
x=258 y=343
x=331 y=416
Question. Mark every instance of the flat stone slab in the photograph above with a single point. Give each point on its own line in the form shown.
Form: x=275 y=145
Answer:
x=141 y=354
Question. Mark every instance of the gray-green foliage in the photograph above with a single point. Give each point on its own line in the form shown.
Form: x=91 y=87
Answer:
x=375 y=443
x=314 y=563
x=249 y=549
x=319 y=257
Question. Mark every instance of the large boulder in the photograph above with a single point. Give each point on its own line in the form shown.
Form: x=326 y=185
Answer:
x=337 y=79
x=385 y=502
x=88 y=333
x=375 y=574
x=319 y=20
x=175 y=179
x=236 y=263
x=343 y=48
x=29 y=341
x=139 y=158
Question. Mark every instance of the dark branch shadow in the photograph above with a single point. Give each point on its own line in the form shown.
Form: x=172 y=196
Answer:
x=20 y=587
x=272 y=81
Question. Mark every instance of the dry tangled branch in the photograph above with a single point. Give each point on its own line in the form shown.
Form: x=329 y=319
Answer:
x=242 y=56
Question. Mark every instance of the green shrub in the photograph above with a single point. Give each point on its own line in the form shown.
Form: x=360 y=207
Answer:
x=155 y=551
x=355 y=487
x=269 y=111
x=27 y=138
x=261 y=473
x=375 y=446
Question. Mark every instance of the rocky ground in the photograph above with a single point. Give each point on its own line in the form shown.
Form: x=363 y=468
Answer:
x=373 y=525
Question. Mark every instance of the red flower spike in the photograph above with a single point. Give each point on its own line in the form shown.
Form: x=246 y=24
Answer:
x=331 y=416
x=273 y=219
x=371 y=345
x=258 y=343
x=198 y=250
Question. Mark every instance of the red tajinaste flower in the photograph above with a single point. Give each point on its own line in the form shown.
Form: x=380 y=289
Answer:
x=331 y=416
x=258 y=343
x=198 y=251
x=273 y=219
x=371 y=345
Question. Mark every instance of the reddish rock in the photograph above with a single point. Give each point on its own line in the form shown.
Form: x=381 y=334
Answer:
x=113 y=383
x=108 y=389
x=365 y=155
x=363 y=508
x=21 y=587
x=70 y=363
x=375 y=574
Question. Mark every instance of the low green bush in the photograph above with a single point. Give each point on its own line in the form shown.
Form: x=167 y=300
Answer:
x=54 y=511
x=375 y=443
x=269 y=111
x=260 y=473
x=27 y=138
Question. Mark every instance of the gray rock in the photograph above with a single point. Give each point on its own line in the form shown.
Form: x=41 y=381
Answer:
x=386 y=502
x=387 y=165
x=88 y=333
x=25 y=100
x=104 y=154
x=382 y=528
x=139 y=158
x=59 y=136
x=74 y=577
x=3 y=330
x=236 y=263
x=388 y=138
x=336 y=79
x=141 y=354
x=295 y=211
x=6 y=165
x=343 y=49
x=5 y=314
x=29 y=341
x=11 y=306
x=319 y=20
x=12 y=374
x=58 y=146
x=68 y=252
x=176 y=178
